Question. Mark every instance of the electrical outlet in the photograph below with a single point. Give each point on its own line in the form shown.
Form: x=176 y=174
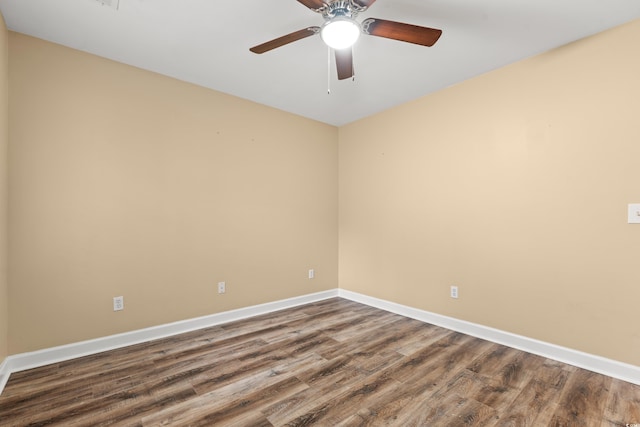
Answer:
x=312 y=274
x=634 y=213
x=454 y=292
x=222 y=287
x=118 y=303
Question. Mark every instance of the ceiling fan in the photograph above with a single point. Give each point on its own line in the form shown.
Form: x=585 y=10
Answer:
x=341 y=30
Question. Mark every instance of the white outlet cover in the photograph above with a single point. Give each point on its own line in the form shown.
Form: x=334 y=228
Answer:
x=118 y=303
x=634 y=213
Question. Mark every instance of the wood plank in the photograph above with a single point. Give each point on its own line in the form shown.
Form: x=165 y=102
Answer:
x=533 y=406
x=343 y=405
x=583 y=399
x=623 y=404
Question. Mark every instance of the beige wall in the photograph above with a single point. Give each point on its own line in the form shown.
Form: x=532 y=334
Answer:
x=4 y=176
x=125 y=182
x=513 y=186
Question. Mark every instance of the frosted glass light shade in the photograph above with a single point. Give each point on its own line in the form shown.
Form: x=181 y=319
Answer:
x=340 y=33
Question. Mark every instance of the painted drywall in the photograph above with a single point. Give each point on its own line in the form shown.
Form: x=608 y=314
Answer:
x=4 y=177
x=513 y=186
x=125 y=182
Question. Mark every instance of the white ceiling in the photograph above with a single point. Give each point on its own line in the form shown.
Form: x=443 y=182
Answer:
x=207 y=42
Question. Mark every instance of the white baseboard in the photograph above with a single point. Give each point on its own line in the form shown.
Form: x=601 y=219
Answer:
x=612 y=368
x=601 y=365
x=24 y=361
x=4 y=374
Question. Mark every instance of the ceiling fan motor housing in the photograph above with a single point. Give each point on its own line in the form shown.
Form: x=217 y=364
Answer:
x=341 y=8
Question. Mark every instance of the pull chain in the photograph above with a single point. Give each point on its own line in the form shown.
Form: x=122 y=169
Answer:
x=328 y=70
x=353 y=60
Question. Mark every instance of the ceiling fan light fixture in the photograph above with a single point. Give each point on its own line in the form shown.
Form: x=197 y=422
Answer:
x=340 y=32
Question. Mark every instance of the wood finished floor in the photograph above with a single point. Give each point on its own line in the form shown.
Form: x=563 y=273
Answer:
x=331 y=363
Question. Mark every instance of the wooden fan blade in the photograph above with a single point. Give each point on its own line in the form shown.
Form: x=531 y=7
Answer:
x=364 y=4
x=281 y=41
x=399 y=31
x=315 y=5
x=344 y=63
